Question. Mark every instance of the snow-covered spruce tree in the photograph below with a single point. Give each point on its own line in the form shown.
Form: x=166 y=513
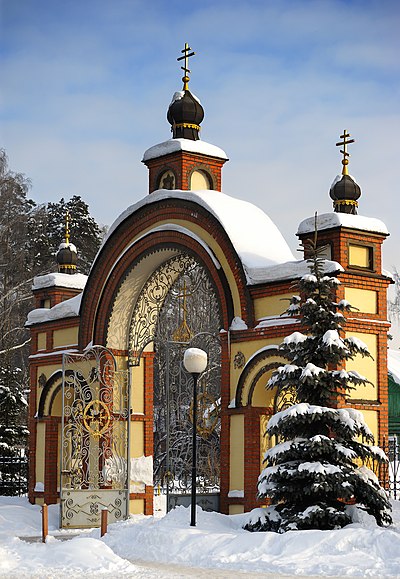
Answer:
x=314 y=470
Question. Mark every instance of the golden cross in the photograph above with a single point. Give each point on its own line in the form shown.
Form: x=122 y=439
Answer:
x=183 y=333
x=344 y=152
x=185 y=68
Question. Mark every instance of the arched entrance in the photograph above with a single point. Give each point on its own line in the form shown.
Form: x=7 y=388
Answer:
x=178 y=308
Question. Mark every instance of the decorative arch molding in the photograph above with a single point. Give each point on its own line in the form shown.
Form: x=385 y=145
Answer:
x=264 y=361
x=147 y=308
x=49 y=393
x=121 y=250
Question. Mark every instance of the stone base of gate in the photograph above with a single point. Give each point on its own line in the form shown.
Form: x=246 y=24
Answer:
x=81 y=509
x=207 y=501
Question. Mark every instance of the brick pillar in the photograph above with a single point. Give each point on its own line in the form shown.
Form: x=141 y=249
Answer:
x=51 y=474
x=148 y=425
x=225 y=425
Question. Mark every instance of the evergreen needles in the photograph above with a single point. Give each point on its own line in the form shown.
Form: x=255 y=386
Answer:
x=315 y=471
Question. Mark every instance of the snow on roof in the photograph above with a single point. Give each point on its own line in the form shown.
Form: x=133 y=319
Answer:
x=339 y=178
x=179 y=94
x=67 y=309
x=68 y=245
x=73 y=281
x=394 y=365
x=173 y=145
x=329 y=220
x=287 y=270
x=256 y=239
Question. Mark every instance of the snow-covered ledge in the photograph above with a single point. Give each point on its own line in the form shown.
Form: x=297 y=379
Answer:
x=67 y=309
x=73 y=281
x=331 y=220
x=174 y=145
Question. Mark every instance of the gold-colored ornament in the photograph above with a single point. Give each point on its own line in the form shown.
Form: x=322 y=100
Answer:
x=346 y=141
x=96 y=418
x=185 y=68
x=183 y=333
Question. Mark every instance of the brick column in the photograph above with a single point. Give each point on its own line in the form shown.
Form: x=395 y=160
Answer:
x=51 y=474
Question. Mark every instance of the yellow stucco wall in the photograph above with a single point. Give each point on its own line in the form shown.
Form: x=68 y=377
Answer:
x=371 y=418
x=236 y=467
x=41 y=341
x=137 y=388
x=364 y=300
x=65 y=337
x=236 y=509
x=136 y=506
x=365 y=366
x=271 y=305
x=359 y=255
x=40 y=451
x=261 y=395
x=137 y=439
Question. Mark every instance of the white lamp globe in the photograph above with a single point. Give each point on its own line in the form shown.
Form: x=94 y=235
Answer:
x=195 y=360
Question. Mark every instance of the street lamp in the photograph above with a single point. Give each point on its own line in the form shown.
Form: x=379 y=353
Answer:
x=195 y=362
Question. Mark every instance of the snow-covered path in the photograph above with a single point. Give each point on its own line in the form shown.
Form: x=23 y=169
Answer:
x=218 y=547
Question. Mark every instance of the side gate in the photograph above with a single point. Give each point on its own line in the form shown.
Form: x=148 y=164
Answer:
x=94 y=447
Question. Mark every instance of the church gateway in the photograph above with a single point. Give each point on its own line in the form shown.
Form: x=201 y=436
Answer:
x=111 y=407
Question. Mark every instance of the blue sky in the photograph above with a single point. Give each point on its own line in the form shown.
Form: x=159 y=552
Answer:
x=86 y=85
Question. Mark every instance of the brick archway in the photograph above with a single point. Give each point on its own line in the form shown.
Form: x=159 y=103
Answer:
x=119 y=253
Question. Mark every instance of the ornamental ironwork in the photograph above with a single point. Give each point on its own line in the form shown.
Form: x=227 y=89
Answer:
x=94 y=438
x=176 y=309
x=150 y=301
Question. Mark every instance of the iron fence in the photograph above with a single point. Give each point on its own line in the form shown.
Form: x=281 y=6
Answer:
x=389 y=474
x=14 y=474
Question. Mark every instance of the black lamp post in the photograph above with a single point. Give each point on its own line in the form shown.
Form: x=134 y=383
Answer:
x=195 y=362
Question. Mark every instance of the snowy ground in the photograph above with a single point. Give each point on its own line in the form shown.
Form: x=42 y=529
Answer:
x=169 y=548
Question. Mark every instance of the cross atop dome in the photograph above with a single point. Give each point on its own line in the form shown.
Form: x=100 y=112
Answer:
x=186 y=56
x=345 y=142
x=185 y=112
x=185 y=161
x=345 y=190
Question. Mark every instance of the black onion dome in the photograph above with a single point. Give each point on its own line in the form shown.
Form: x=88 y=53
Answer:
x=67 y=258
x=185 y=115
x=345 y=193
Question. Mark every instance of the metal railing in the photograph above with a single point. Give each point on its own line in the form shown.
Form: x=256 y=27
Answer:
x=389 y=475
x=14 y=474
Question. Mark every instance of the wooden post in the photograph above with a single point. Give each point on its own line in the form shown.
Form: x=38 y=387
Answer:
x=45 y=522
x=104 y=514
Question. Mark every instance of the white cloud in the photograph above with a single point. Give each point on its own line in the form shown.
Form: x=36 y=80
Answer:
x=86 y=92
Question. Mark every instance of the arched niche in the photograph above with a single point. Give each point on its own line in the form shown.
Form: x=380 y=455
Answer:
x=251 y=389
x=50 y=401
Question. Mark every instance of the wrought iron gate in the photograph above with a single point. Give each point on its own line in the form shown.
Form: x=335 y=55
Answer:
x=178 y=308
x=173 y=423
x=94 y=439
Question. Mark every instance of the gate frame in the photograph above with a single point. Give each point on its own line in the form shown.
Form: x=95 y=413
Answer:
x=94 y=493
